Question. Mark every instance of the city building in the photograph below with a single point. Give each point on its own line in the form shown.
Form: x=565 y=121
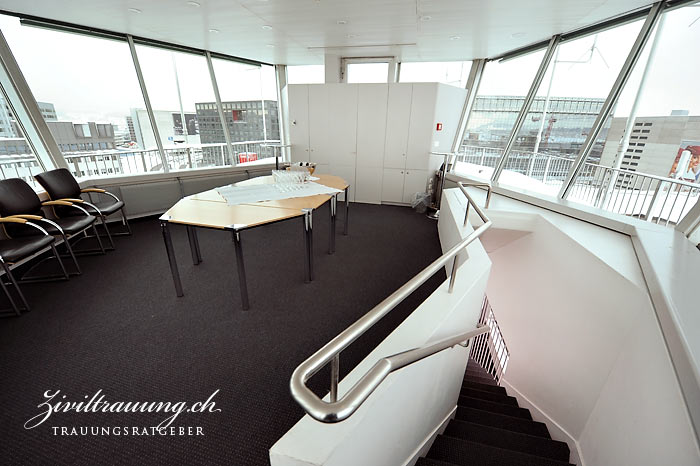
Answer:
x=246 y=121
x=169 y=125
x=567 y=122
x=654 y=144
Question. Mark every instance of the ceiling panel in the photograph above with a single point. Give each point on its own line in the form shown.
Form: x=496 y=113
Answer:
x=302 y=31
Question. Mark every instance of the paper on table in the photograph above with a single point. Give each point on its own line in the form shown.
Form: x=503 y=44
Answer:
x=235 y=195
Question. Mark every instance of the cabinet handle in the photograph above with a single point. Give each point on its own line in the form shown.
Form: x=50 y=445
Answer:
x=407 y=173
x=402 y=172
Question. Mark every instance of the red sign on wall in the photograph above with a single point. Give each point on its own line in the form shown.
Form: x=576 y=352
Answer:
x=439 y=127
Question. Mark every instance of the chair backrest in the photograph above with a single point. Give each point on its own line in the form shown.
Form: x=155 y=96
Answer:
x=17 y=197
x=59 y=184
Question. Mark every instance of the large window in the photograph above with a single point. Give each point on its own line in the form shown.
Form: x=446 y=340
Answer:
x=177 y=84
x=249 y=100
x=377 y=72
x=86 y=107
x=500 y=96
x=454 y=73
x=648 y=162
x=571 y=95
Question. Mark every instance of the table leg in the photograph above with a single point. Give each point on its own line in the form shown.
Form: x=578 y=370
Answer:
x=347 y=209
x=241 y=269
x=333 y=204
x=309 y=245
x=165 y=227
x=194 y=245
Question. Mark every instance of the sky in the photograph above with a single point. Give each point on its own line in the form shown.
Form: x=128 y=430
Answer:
x=89 y=79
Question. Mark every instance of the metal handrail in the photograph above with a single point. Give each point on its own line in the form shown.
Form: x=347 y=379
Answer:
x=340 y=409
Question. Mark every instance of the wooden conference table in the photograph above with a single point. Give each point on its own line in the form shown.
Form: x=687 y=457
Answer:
x=210 y=210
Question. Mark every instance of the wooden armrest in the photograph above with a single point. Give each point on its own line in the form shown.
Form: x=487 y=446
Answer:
x=56 y=203
x=92 y=190
x=12 y=220
x=68 y=199
x=27 y=217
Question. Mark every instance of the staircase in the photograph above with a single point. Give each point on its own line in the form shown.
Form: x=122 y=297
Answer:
x=490 y=429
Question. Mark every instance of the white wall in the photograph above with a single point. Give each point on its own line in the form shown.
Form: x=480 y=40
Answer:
x=406 y=409
x=586 y=349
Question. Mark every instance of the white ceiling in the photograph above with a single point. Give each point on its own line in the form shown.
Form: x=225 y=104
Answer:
x=304 y=30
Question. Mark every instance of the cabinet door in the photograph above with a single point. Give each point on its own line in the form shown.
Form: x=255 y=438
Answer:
x=415 y=181
x=368 y=184
x=392 y=185
x=371 y=125
x=420 y=133
x=319 y=142
x=342 y=122
x=397 y=124
x=298 y=98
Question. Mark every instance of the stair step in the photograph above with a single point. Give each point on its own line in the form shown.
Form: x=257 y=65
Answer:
x=493 y=407
x=464 y=452
x=509 y=440
x=483 y=387
x=489 y=396
x=484 y=380
x=502 y=421
x=431 y=462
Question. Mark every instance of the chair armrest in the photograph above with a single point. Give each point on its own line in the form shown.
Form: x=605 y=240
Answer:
x=49 y=203
x=26 y=216
x=92 y=190
x=13 y=220
x=70 y=199
x=23 y=221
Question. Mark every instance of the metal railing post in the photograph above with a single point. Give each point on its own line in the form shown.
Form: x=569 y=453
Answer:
x=453 y=275
x=335 y=375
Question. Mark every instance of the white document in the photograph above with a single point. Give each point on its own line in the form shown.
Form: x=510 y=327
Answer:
x=235 y=195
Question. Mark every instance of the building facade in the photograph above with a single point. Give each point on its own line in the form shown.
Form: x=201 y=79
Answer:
x=246 y=121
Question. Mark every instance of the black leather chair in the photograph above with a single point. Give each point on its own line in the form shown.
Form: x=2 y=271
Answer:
x=61 y=185
x=15 y=251
x=18 y=199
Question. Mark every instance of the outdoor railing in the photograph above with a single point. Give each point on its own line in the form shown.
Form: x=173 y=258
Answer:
x=648 y=197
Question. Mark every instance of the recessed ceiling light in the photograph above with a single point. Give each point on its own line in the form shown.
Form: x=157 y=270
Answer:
x=517 y=35
x=215 y=31
x=352 y=36
x=134 y=10
x=426 y=18
x=270 y=45
x=194 y=4
x=342 y=22
x=267 y=27
x=455 y=38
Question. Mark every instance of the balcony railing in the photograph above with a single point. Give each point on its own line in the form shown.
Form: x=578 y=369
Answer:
x=648 y=197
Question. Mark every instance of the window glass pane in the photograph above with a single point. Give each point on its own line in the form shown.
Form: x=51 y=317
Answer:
x=647 y=163
x=367 y=72
x=568 y=101
x=16 y=157
x=176 y=83
x=501 y=93
x=74 y=99
x=306 y=74
x=453 y=73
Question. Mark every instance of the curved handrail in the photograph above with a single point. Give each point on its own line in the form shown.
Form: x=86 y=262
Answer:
x=338 y=410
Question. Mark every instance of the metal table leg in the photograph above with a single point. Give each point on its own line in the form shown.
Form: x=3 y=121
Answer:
x=194 y=245
x=347 y=209
x=241 y=269
x=164 y=225
x=333 y=204
x=309 y=245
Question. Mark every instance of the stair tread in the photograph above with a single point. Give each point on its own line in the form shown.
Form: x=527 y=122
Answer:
x=483 y=387
x=489 y=396
x=465 y=452
x=494 y=407
x=517 y=441
x=502 y=421
x=432 y=462
x=482 y=380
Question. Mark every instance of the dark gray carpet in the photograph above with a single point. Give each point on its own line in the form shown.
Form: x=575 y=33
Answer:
x=120 y=328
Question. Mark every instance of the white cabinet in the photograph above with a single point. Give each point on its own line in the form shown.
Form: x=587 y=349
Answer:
x=392 y=185
x=319 y=144
x=298 y=98
x=415 y=181
x=378 y=137
x=420 y=133
x=397 y=125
